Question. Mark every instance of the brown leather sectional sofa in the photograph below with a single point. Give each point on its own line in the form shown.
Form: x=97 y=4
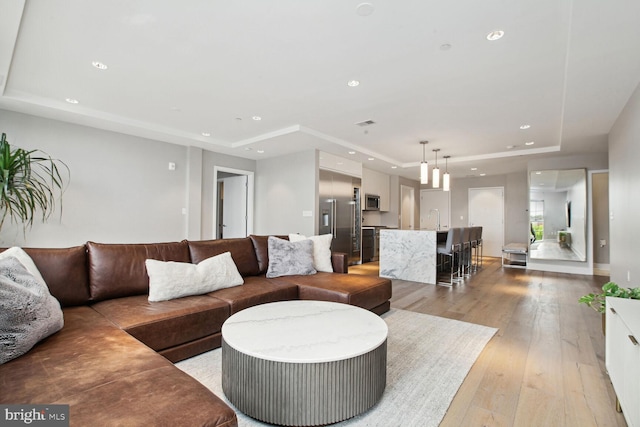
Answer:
x=107 y=363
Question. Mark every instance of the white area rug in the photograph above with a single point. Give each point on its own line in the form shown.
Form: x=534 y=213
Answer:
x=428 y=358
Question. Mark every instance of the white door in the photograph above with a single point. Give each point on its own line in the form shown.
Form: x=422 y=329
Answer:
x=486 y=209
x=432 y=204
x=407 y=207
x=234 y=207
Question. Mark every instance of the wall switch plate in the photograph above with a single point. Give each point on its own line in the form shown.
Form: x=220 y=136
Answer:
x=628 y=275
x=307 y=213
x=172 y=166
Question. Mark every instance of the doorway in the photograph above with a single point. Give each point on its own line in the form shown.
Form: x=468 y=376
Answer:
x=486 y=209
x=434 y=209
x=600 y=221
x=407 y=207
x=233 y=202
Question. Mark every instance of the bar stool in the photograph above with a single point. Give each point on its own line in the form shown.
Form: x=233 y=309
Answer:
x=475 y=235
x=450 y=249
x=479 y=246
x=465 y=242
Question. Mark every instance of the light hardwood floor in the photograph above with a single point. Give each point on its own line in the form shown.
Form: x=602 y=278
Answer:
x=545 y=365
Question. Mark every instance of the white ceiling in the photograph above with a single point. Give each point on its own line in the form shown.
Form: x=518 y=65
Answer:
x=177 y=69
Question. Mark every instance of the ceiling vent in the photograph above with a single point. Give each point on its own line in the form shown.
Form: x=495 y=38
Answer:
x=366 y=123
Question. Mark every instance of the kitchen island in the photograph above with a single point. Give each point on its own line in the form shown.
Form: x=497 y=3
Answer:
x=409 y=254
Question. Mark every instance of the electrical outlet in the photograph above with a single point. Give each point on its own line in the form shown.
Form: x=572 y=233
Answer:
x=628 y=275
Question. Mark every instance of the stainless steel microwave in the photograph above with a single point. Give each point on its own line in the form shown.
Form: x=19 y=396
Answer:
x=371 y=202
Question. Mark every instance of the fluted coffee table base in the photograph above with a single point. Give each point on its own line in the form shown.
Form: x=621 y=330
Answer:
x=304 y=363
x=303 y=394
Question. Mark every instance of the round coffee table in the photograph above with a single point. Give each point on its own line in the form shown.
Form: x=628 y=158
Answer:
x=304 y=363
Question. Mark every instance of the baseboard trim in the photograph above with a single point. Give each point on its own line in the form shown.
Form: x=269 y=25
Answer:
x=601 y=270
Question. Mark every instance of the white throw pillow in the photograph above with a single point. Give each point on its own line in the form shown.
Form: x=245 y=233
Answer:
x=25 y=260
x=170 y=280
x=321 y=250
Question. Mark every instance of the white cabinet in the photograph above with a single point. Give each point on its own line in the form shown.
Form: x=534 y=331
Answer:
x=622 y=356
x=377 y=183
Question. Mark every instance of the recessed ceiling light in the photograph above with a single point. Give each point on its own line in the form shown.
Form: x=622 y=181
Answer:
x=474 y=169
x=99 y=65
x=370 y=158
x=352 y=152
x=365 y=9
x=483 y=174
x=523 y=127
x=353 y=83
x=256 y=118
x=206 y=134
x=509 y=147
x=538 y=173
x=529 y=143
x=248 y=148
x=260 y=151
x=495 y=35
x=72 y=101
x=394 y=167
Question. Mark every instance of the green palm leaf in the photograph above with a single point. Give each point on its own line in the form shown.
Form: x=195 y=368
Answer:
x=30 y=183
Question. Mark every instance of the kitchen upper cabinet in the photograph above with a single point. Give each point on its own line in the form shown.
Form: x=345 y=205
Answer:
x=622 y=354
x=377 y=183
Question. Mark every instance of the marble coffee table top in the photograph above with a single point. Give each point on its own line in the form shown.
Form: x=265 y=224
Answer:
x=304 y=331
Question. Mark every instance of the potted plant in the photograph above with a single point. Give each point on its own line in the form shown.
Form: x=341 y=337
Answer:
x=30 y=181
x=609 y=289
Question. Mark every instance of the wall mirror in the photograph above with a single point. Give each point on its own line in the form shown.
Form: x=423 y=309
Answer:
x=557 y=215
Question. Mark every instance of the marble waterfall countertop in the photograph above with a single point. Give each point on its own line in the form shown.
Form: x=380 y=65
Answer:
x=409 y=255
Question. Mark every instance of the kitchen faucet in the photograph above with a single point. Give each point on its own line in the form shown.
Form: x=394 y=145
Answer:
x=437 y=217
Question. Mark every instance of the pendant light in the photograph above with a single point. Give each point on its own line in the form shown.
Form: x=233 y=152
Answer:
x=445 y=177
x=436 y=171
x=424 y=166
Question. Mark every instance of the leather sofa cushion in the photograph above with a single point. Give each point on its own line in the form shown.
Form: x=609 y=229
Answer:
x=359 y=290
x=87 y=353
x=161 y=397
x=241 y=251
x=165 y=324
x=65 y=272
x=108 y=377
x=118 y=270
x=256 y=290
x=261 y=248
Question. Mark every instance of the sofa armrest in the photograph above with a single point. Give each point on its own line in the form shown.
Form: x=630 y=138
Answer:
x=340 y=262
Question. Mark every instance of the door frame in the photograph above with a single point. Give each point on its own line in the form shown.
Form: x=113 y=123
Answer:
x=504 y=207
x=250 y=196
x=413 y=207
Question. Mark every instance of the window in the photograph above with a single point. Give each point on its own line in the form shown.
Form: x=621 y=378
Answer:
x=536 y=217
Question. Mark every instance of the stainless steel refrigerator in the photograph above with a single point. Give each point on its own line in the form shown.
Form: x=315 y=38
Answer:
x=340 y=212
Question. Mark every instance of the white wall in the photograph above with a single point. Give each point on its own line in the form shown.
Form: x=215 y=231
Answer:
x=285 y=187
x=624 y=183
x=121 y=189
x=516 y=203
